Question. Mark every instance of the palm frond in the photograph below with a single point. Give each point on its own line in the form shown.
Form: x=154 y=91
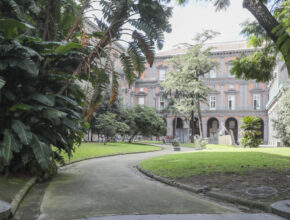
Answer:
x=137 y=58
x=128 y=68
x=145 y=45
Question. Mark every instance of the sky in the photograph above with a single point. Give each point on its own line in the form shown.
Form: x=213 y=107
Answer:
x=196 y=16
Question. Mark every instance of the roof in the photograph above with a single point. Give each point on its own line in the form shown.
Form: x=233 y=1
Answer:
x=217 y=47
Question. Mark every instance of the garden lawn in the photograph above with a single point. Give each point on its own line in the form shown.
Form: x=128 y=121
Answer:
x=91 y=150
x=218 y=159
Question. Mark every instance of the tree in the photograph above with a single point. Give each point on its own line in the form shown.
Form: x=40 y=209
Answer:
x=251 y=129
x=145 y=121
x=184 y=78
x=282 y=122
x=106 y=124
x=271 y=31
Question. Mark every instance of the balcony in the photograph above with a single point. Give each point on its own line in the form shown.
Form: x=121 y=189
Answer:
x=237 y=108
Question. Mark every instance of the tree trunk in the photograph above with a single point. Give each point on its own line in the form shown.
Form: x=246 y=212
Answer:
x=268 y=22
x=199 y=117
x=92 y=132
x=193 y=127
x=132 y=137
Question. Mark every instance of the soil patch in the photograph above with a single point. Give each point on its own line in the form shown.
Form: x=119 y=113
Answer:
x=9 y=186
x=273 y=185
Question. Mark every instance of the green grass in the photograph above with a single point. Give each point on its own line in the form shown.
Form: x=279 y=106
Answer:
x=90 y=150
x=218 y=159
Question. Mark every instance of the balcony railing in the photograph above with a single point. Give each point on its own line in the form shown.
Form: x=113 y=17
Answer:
x=237 y=108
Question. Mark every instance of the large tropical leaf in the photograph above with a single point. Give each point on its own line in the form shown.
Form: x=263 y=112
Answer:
x=9 y=146
x=44 y=99
x=54 y=115
x=41 y=151
x=22 y=131
x=11 y=27
x=21 y=106
x=2 y=83
x=67 y=47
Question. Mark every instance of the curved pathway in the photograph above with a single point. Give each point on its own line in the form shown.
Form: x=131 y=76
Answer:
x=112 y=186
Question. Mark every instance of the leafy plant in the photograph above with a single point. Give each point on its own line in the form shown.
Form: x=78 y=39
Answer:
x=175 y=143
x=200 y=143
x=33 y=116
x=251 y=129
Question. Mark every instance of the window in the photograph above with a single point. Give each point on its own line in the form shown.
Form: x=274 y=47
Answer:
x=161 y=103
x=229 y=70
x=162 y=74
x=212 y=73
x=212 y=102
x=257 y=101
x=141 y=100
x=141 y=89
x=231 y=86
x=231 y=102
x=257 y=85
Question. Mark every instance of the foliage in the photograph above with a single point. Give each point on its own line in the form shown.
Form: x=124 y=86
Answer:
x=175 y=143
x=143 y=120
x=108 y=125
x=251 y=129
x=282 y=123
x=32 y=115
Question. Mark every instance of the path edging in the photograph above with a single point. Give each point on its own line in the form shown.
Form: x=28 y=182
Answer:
x=216 y=195
x=18 y=198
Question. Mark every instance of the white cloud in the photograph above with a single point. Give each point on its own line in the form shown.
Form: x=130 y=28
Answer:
x=196 y=16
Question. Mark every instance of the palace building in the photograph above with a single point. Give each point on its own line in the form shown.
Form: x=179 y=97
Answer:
x=229 y=101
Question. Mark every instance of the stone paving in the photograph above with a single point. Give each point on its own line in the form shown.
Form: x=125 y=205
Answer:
x=192 y=217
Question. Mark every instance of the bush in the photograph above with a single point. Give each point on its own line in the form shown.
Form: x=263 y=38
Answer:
x=251 y=129
x=200 y=143
x=175 y=143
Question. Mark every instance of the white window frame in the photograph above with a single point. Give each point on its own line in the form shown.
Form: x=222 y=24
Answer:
x=141 y=89
x=231 y=86
x=212 y=102
x=231 y=102
x=257 y=101
x=161 y=100
x=162 y=74
x=213 y=73
x=141 y=100
x=229 y=70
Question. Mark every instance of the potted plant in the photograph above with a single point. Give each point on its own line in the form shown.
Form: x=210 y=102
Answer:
x=175 y=145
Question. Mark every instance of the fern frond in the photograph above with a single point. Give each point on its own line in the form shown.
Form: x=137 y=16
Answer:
x=145 y=45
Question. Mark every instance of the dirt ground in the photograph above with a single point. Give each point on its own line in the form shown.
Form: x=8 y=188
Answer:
x=242 y=185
